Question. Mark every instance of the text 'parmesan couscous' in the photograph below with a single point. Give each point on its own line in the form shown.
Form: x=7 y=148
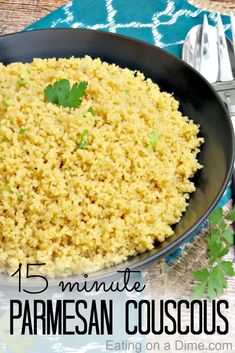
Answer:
x=84 y=188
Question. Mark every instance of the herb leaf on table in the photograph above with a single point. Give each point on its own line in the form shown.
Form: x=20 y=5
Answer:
x=213 y=280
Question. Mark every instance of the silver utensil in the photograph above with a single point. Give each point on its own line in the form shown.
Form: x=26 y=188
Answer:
x=225 y=70
x=232 y=20
x=193 y=51
x=207 y=49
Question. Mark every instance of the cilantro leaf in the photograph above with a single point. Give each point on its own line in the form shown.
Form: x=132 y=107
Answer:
x=83 y=142
x=227 y=267
x=216 y=282
x=211 y=290
x=201 y=275
x=62 y=94
x=54 y=93
x=215 y=235
x=199 y=290
x=228 y=236
x=222 y=225
x=216 y=216
x=73 y=100
x=213 y=280
x=231 y=215
x=216 y=250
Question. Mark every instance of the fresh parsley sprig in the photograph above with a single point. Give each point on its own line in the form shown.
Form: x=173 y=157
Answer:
x=62 y=94
x=213 y=280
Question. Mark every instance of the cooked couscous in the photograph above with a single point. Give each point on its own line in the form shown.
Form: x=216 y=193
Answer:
x=85 y=187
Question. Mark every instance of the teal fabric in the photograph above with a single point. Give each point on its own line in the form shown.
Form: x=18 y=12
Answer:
x=164 y=23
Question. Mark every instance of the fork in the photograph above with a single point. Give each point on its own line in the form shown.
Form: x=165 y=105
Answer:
x=209 y=51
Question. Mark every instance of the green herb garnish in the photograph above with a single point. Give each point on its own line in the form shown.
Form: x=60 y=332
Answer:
x=62 y=94
x=83 y=142
x=213 y=280
x=19 y=196
x=67 y=270
x=21 y=82
x=7 y=101
x=91 y=110
x=9 y=189
x=153 y=137
x=23 y=130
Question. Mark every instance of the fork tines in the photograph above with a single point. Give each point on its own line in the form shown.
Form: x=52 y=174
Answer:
x=225 y=70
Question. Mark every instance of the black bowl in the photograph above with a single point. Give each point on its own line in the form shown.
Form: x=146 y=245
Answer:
x=197 y=100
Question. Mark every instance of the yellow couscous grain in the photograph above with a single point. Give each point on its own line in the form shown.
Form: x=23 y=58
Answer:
x=85 y=209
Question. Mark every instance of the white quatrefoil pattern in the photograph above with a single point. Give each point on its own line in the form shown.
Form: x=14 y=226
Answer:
x=164 y=23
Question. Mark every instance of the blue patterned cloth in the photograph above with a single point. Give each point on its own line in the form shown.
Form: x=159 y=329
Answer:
x=164 y=23
x=159 y=22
